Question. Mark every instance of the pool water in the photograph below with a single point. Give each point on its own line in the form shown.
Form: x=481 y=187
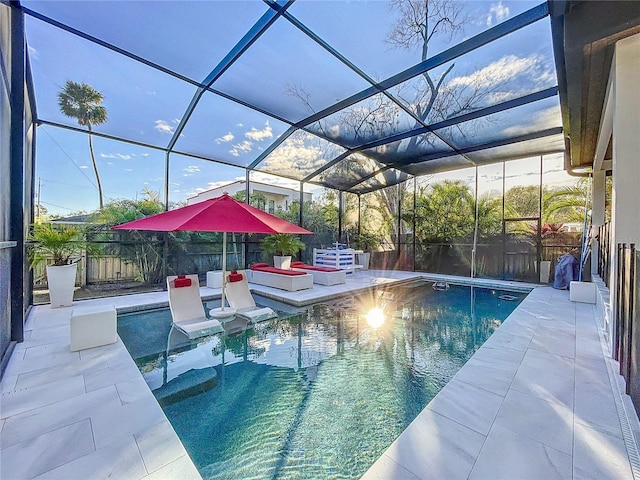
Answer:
x=318 y=393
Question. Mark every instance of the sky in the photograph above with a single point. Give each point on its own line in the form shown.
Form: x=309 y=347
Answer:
x=283 y=72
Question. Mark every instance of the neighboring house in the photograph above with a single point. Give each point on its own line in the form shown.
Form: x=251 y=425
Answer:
x=276 y=197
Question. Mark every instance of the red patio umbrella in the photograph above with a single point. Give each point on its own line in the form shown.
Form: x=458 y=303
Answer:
x=221 y=214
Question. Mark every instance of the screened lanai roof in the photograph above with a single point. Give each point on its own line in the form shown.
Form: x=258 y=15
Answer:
x=335 y=93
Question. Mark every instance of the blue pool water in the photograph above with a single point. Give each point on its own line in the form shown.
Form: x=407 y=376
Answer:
x=322 y=391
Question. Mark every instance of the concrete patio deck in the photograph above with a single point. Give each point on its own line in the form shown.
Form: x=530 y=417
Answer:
x=540 y=399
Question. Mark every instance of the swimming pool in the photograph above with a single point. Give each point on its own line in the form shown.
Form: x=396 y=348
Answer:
x=322 y=391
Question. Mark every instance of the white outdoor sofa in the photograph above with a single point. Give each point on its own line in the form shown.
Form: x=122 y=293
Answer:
x=289 y=280
x=321 y=275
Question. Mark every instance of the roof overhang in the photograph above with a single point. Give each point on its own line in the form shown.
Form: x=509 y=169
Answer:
x=584 y=36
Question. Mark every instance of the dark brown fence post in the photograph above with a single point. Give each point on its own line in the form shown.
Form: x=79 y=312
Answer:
x=634 y=377
x=618 y=326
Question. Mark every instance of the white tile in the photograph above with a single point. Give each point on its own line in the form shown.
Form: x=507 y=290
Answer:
x=55 y=372
x=13 y=403
x=159 y=446
x=556 y=341
x=431 y=443
x=181 y=468
x=547 y=422
x=111 y=376
x=598 y=456
x=46 y=452
x=488 y=378
x=49 y=349
x=547 y=376
x=34 y=363
x=470 y=406
x=595 y=404
x=133 y=390
x=507 y=339
x=8 y=383
x=112 y=424
x=385 y=468
x=121 y=460
x=38 y=421
x=508 y=455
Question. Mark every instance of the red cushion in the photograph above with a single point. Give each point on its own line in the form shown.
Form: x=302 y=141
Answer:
x=317 y=269
x=291 y=273
x=182 y=281
x=235 y=277
x=297 y=262
x=259 y=265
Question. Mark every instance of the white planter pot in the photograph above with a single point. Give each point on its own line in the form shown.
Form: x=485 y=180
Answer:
x=282 y=262
x=61 y=280
x=545 y=271
x=363 y=259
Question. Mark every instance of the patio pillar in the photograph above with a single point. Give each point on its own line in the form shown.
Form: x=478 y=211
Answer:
x=598 y=194
x=625 y=202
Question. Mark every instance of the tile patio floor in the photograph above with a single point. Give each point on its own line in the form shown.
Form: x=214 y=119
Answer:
x=538 y=400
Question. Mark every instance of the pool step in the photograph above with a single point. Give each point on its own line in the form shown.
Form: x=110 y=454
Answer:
x=187 y=384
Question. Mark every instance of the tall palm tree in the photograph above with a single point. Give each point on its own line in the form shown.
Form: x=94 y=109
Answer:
x=84 y=103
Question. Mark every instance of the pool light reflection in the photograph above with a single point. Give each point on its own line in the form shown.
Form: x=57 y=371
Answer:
x=375 y=317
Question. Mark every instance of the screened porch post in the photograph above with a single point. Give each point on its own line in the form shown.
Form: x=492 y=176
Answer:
x=475 y=231
x=340 y=209
x=300 y=217
x=165 y=235
x=413 y=227
x=245 y=237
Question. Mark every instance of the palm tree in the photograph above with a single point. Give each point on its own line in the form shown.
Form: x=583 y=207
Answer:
x=84 y=103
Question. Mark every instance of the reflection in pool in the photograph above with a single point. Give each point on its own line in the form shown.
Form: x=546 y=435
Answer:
x=320 y=392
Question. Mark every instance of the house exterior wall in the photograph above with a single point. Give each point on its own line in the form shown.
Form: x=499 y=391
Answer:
x=276 y=197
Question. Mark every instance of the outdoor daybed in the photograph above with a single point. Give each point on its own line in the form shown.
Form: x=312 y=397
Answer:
x=321 y=275
x=290 y=280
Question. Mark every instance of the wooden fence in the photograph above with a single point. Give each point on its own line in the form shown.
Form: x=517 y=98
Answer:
x=627 y=330
x=94 y=270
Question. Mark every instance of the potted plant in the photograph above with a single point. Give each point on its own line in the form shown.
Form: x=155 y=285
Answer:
x=282 y=246
x=63 y=246
x=365 y=241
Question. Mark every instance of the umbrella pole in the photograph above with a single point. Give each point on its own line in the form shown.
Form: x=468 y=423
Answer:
x=223 y=312
x=224 y=267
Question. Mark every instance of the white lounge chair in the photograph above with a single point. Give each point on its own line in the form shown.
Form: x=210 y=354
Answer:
x=186 y=307
x=240 y=298
x=289 y=280
x=321 y=275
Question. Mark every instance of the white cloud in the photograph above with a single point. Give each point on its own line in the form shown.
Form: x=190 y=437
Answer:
x=212 y=185
x=273 y=180
x=297 y=155
x=508 y=77
x=33 y=53
x=259 y=135
x=84 y=167
x=191 y=169
x=497 y=13
x=544 y=119
x=225 y=138
x=164 y=127
x=240 y=148
x=116 y=155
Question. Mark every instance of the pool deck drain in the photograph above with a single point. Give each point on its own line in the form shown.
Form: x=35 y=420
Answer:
x=538 y=400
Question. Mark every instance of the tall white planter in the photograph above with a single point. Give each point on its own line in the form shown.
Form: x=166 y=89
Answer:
x=363 y=259
x=61 y=280
x=283 y=262
x=545 y=271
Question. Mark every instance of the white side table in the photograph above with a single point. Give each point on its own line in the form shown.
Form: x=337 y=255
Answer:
x=214 y=279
